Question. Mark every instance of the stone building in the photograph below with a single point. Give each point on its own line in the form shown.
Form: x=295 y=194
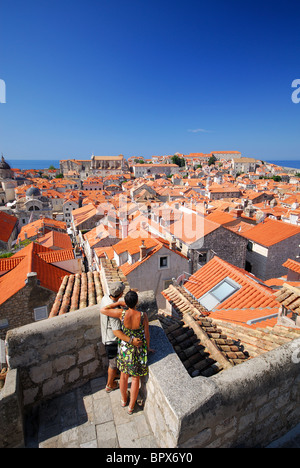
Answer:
x=32 y=206
x=270 y=244
x=7 y=183
x=200 y=239
x=140 y=170
x=28 y=288
x=96 y=166
x=8 y=230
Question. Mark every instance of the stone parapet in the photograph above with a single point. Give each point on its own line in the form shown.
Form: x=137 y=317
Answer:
x=249 y=405
x=57 y=354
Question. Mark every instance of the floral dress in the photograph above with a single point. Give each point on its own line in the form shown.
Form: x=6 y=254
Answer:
x=132 y=360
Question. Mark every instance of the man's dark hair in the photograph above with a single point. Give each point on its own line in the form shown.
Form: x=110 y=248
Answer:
x=131 y=299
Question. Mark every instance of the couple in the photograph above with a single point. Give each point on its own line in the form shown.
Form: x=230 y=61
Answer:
x=120 y=320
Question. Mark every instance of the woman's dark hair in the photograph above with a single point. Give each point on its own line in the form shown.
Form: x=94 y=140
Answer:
x=131 y=299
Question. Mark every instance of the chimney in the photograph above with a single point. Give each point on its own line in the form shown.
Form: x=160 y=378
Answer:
x=143 y=251
x=236 y=213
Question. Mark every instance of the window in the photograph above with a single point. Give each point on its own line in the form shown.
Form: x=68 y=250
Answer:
x=40 y=313
x=219 y=293
x=250 y=246
x=164 y=262
x=202 y=258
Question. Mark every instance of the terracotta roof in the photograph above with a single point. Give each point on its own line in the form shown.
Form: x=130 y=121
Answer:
x=289 y=297
x=219 y=216
x=7 y=264
x=200 y=340
x=212 y=351
x=132 y=245
x=55 y=256
x=271 y=232
x=77 y=292
x=7 y=225
x=48 y=224
x=55 y=239
x=292 y=265
x=253 y=293
x=80 y=215
x=50 y=276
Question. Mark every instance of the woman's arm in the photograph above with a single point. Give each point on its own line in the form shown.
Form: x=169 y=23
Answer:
x=111 y=311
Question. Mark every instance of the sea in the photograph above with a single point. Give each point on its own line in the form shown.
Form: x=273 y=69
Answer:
x=24 y=164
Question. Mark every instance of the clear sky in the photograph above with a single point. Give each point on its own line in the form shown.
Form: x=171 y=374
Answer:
x=149 y=77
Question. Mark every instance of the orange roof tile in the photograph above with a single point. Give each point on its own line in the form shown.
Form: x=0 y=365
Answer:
x=219 y=216
x=48 y=224
x=7 y=225
x=55 y=239
x=292 y=265
x=50 y=276
x=271 y=232
x=253 y=292
x=55 y=256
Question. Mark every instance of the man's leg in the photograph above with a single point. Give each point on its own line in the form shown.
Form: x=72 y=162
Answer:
x=111 y=375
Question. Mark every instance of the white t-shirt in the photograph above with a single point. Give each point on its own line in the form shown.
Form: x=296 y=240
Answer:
x=108 y=324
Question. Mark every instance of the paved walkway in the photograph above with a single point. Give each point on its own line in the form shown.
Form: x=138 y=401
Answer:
x=88 y=417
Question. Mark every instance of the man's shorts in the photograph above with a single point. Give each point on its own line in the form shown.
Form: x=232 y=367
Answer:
x=112 y=363
x=112 y=354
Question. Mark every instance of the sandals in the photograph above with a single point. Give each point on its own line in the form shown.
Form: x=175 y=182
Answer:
x=109 y=389
x=124 y=403
x=130 y=410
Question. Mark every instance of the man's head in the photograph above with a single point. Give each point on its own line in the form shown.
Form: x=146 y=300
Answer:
x=116 y=290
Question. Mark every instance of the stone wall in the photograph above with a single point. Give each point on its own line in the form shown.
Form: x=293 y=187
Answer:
x=267 y=262
x=19 y=309
x=227 y=245
x=57 y=354
x=11 y=433
x=249 y=405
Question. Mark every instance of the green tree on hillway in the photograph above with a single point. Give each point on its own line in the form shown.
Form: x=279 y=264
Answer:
x=211 y=161
x=177 y=160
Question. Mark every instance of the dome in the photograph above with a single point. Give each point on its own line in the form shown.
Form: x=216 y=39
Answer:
x=33 y=192
x=3 y=164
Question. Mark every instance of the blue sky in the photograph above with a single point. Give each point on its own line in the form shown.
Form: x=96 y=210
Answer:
x=154 y=77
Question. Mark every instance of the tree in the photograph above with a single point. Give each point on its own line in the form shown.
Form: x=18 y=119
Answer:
x=177 y=160
x=211 y=160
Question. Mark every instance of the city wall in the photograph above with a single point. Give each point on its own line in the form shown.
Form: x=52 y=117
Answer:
x=247 y=406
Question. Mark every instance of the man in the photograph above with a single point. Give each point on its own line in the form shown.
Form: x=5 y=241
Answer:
x=111 y=332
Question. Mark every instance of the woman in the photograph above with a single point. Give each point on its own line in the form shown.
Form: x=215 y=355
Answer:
x=132 y=361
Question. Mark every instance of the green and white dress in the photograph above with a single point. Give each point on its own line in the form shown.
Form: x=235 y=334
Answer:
x=133 y=360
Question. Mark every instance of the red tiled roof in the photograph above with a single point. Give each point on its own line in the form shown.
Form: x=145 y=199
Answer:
x=252 y=294
x=55 y=239
x=219 y=216
x=292 y=265
x=7 y=225
x=7 y=264
x=271 y=232
x=48 y=224
x=50 y=276
x=55 y=256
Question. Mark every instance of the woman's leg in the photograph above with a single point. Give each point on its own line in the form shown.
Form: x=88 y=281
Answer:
x=134 y=390
x=123 y=386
